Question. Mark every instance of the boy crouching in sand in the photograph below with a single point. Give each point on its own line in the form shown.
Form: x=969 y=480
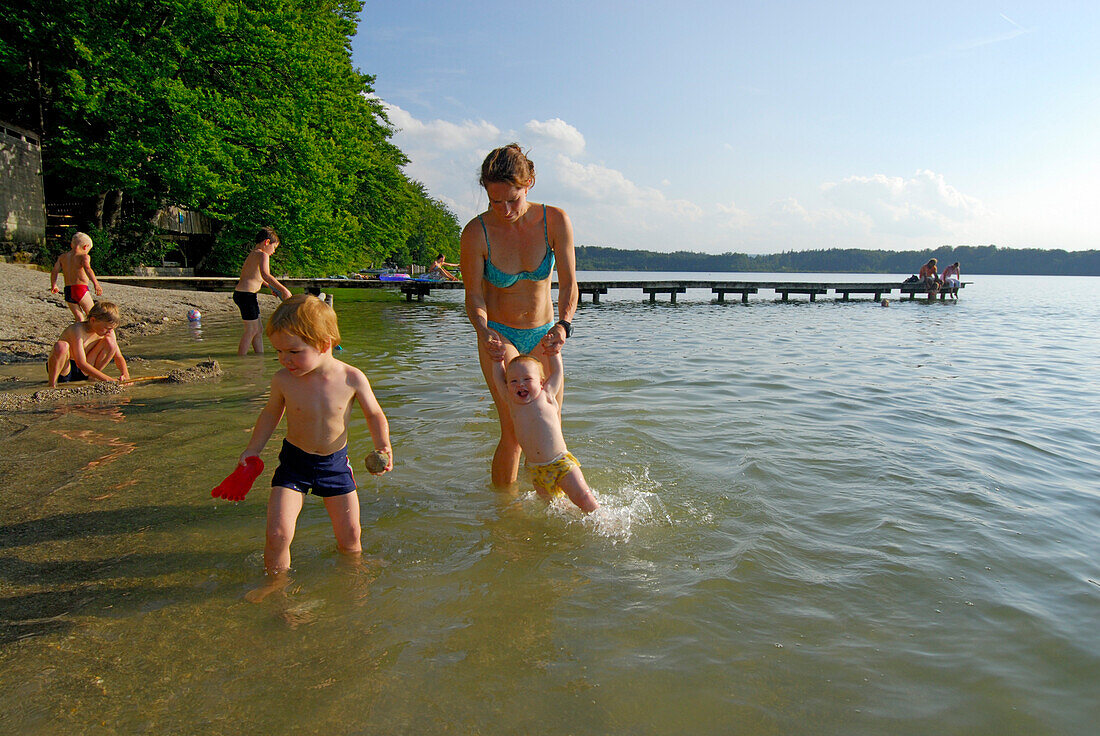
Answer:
x=316 y=392
x=537 y=419
x=85 y=348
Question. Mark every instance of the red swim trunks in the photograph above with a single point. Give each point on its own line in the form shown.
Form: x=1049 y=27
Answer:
x=76 y=292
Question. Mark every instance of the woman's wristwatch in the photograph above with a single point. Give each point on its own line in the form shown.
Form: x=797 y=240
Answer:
x=568 y=327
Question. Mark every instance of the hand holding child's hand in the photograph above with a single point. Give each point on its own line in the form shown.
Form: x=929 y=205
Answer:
x=551 y=343
x=494 y=343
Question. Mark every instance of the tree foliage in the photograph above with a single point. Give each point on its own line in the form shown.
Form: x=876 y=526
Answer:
x=988 y=259
x=248 y=111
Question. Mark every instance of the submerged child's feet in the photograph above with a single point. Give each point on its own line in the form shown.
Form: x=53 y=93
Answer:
x=275 y=583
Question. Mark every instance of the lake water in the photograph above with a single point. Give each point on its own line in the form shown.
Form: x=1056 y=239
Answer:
x=827 y=518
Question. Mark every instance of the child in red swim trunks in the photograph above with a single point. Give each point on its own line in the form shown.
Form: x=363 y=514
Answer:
x=77 y=268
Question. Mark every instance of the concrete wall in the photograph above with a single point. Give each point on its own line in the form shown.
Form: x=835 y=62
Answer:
x=22 y=199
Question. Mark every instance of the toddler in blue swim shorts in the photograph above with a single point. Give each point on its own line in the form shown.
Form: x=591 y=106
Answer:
x=315 y=391
x=536 y=418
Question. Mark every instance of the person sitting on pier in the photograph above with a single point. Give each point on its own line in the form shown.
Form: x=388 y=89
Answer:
x=439 y=271
x=952 y=279
x=508 y=259
x=929 y=278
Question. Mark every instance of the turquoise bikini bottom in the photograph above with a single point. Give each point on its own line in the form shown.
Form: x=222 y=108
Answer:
x=524 y=340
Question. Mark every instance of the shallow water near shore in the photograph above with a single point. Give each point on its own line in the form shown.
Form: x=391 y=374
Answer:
x=817 y=518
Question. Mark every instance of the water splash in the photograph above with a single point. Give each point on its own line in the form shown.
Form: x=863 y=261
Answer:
x=627 y=502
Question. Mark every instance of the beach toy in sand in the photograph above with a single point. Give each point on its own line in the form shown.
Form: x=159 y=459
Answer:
x=377 y=462
x=238 y=483
x=194 y=315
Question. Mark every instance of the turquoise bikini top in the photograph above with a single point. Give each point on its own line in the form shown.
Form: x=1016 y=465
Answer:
x=503 y=280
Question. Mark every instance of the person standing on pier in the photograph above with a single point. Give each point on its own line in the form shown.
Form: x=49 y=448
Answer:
x=508 y=258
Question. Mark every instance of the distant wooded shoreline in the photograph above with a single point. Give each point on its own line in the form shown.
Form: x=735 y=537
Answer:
x=987 y=259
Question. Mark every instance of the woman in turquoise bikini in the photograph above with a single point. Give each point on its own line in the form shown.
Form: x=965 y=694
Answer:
x=508 y=257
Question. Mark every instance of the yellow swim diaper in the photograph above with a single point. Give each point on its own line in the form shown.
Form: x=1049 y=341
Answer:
x=546 y=475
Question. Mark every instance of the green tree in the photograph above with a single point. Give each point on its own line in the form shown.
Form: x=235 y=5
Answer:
x=434 y=230
x=248 y=111
x=986 y=259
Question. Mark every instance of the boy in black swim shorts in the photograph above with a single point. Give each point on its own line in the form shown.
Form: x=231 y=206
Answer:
x=255 y=272
x=315 y=391
x=85 y=348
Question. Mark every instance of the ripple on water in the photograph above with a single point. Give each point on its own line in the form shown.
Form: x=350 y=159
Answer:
x=872 y=520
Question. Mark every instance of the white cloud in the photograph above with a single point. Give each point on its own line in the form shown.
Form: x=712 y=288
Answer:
x=557 y=135
x=441 y=134
x=1016 y=31
x=608 y=207
x=923 y=205
x=732 y=217
x=445 y=156
x=611 y=188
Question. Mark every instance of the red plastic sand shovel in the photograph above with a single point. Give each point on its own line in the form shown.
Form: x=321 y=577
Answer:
x=238 y=483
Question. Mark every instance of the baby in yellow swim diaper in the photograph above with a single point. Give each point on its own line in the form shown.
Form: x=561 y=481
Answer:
x=533 y=404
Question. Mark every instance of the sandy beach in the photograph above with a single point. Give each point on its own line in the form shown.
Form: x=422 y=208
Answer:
x=31 y=318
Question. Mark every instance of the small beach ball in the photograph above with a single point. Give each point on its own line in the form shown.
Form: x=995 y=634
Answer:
x=194 y=315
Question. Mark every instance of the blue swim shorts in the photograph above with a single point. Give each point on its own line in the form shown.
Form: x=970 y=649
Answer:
x=326 y=475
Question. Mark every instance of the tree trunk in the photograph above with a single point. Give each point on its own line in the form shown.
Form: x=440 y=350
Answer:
x=112 y=209
x=97 y=210
x=36 y=73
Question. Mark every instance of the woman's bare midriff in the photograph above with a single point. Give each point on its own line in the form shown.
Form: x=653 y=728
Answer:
x=525 y=304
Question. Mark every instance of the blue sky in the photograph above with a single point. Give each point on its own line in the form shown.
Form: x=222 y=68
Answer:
x=758 y=127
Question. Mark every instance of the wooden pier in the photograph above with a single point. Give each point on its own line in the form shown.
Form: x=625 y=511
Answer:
x=420 y=289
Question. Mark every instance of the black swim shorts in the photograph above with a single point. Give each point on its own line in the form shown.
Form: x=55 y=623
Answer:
x=249 y=305
x=74 y=374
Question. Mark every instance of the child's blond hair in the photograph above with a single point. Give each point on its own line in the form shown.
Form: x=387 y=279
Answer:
x=81 y=240
x=105 y=312
x=307 y=317
x=533 y=359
